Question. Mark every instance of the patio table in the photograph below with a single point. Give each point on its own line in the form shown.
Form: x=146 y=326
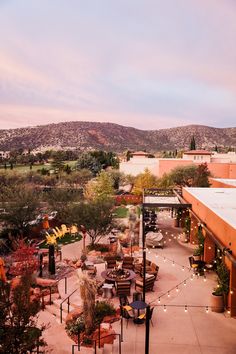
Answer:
x=138 y=305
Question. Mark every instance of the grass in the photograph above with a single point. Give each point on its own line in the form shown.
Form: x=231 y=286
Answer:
x=120 y=212
x=26 y=168
x=66 y=240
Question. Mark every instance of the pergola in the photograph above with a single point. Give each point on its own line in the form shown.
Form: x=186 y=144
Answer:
x=157 y=198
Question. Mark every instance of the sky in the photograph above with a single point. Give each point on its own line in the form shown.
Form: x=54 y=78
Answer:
x=149 y=64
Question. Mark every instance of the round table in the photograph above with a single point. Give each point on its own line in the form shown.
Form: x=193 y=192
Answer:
x=138 y=305
x=131 y=276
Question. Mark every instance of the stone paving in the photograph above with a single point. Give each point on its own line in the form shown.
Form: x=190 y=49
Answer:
x=174 y=331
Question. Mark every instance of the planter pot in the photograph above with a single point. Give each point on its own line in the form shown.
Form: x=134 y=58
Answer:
x=217 y=303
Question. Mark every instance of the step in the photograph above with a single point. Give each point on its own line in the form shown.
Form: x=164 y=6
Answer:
x=108 y=348
x=115 y=349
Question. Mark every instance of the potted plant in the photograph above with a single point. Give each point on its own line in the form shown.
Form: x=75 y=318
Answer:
x=219 y=295
x=197 y=254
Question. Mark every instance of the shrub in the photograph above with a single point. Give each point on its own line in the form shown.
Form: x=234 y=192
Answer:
x=98 y=247
x=102 y=309
x=75 y=326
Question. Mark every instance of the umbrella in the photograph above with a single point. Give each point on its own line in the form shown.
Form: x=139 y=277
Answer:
x=138 y=305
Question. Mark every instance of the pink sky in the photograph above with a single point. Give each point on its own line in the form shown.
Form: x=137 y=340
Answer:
x=149 y=64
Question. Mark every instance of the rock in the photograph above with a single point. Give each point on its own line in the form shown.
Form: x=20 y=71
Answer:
x=74 y=314
x=104 y=333
x=45 y=282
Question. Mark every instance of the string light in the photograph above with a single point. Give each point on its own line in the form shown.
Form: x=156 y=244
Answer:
x=159 y=300
x=164 y=308
x=183 y=268
x=185 y=308
x=177 y=288
x=207 y=309
x=185 y=283
x=168 y=294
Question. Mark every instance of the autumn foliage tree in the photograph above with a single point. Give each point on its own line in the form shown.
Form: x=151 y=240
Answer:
x=19 y=333
x=144 y=180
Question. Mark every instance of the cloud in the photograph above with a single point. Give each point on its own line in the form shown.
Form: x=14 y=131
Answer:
x=140 y=63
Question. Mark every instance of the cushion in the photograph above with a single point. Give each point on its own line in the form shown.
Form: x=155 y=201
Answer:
x=127 y=308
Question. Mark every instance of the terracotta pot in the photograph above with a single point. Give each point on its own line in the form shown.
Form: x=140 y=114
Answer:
x=217 y=303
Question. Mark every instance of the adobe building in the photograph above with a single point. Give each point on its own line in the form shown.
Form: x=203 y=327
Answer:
x=220 y=166
x=215 y=210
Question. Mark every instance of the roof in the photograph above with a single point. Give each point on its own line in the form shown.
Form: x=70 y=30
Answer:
x=198 y=152
x=230 y=182
x=158 y=197
x=142 y=153
x=222 y=201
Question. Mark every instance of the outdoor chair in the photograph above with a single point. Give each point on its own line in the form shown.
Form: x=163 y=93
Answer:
x=127 y=313
x=143 y=315
x=149 y=283
x=123 y=300
x=153 y=269
x=138 y=266
x=111 y=262
x=137 y=297
x=123 y=288
x=197 y=266
x=128 y=263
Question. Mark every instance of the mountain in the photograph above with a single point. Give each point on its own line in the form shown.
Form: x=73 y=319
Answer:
x=109 y=136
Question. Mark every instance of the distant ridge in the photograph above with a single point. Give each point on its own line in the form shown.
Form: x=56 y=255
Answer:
x=115 y=137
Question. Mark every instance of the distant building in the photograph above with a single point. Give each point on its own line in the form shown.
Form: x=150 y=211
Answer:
x=220 y=165
x=4 y=154
x=197 y=156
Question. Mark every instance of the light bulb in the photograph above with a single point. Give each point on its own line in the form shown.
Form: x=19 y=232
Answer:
x=185 y=308
x=164 y=308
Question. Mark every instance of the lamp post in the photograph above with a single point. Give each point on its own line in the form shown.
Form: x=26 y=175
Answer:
x=144 y=253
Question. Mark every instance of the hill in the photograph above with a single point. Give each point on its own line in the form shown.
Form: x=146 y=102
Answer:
x=109 y=136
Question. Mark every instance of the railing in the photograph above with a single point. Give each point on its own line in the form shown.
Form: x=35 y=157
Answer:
x=50 y=291
x=68 y=303
x=98 y=341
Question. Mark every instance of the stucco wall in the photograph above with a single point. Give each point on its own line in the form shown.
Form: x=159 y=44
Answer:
x=223 y=231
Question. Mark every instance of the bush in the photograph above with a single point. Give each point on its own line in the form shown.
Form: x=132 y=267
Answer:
x=73 y=327
x=98 y=247
x=102 y=309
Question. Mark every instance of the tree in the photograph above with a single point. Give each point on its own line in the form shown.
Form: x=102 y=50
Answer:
x=61 y=200
x=192 y=143
x=86 y=160
x=179 y=177
x=201 y=176
x=21 y=205
x=19 y=332
x=95 y=216
x=144 y=180
x=101 y=187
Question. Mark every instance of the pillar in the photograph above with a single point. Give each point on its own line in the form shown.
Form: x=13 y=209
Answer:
x=209 y=249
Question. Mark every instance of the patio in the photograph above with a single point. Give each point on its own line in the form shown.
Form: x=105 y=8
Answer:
x=179 y=329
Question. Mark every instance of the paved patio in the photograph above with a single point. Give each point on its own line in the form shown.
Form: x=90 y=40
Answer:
x=174 y=331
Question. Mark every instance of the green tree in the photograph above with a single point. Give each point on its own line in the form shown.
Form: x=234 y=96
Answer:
x=87 y=161
x=201 y=178
x=61 y=200
x=101 y=187
x=19 y=333
x=144 y=180
x=21 y=204
x=95 y=216
x=192 y=143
